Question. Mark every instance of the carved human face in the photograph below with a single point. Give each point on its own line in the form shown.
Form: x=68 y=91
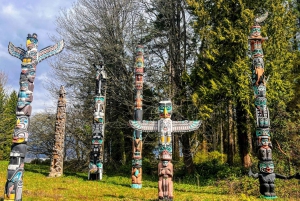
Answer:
x=23 y=86
x=165 y=163
x=257 y=53
x=31 y=75
x=265 y=141
x=255 y=31
x=139 y=50
x=165 y=155
x=260 y=101
x=165 y=109
x=258 y=62
x=139 y=100
x=139 y=62
x=266 y=167
x=260 y=90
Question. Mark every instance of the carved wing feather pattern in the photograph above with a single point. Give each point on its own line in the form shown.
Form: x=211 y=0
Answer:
x=16 y=51
x=51 y=50
x=144 y=126
x=185 y=126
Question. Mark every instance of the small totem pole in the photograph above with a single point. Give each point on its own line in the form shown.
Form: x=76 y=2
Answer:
x=266 y=173
x=96 y=154
x=165 y=126
x=29 y=58
x=136 y=173
x=56 y=166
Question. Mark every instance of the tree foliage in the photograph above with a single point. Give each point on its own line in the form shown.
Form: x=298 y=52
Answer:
x=221 y=75
x=8 y=104
x=197 y=55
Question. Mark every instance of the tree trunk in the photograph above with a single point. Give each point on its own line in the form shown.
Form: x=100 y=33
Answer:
x=176 y=154
x=243 y=129
x=230 y=151
x=187 y=155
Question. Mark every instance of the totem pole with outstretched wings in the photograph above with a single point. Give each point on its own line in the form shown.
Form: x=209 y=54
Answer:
x=166 y=127
x=30 y=58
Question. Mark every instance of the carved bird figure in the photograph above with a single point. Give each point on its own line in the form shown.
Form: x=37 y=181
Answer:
x=261 y=18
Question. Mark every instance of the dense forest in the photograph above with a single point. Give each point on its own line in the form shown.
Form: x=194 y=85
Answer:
x=196 y=54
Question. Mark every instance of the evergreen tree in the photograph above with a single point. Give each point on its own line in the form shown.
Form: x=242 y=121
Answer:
x=2 y=135
x=221 y=78
x=281 y=55
x=3 y=98
x=9 y=122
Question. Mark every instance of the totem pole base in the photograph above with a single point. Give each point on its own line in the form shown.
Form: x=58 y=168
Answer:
x=268 y=197
x=11 y=197
x=55 y=175
x=136 y=186
x=165 y=199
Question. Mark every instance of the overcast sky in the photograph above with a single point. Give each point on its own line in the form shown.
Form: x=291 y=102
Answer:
x=17 y=19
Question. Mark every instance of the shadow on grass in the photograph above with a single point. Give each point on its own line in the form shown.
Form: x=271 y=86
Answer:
x=201 y=191
x=36 y=170
x=45 y=170
x=123 y=197
x=78 y=175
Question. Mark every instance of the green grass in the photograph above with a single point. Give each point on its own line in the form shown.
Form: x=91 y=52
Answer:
x=75 y=186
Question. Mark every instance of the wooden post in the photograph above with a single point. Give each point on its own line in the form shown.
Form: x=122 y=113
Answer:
x=57 y=160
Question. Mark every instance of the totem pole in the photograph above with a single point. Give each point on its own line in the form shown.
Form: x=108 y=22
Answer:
x=96 y=154
x=266 y=173
x=165 y=126
x=56 y=166
x=136 y=173
x=29 y=58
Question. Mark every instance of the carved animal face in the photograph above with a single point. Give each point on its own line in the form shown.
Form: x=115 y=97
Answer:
x=32 y=41
x=20 y=136
x=262 y=132
x=22 y=122
x=165 y=109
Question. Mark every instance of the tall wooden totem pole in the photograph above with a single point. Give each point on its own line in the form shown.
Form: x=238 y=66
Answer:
x=56 y=166
x=136 y=173
x=96 y=154
x=166 y=127
x=30 y=58
x=266 y=173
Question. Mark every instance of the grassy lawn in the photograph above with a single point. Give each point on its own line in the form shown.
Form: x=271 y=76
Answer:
x=37 y=186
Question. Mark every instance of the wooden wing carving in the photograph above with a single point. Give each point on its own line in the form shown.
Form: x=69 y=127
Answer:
x=16 y=51
x=144 y=126
x=51 y=50
x=185 y=126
